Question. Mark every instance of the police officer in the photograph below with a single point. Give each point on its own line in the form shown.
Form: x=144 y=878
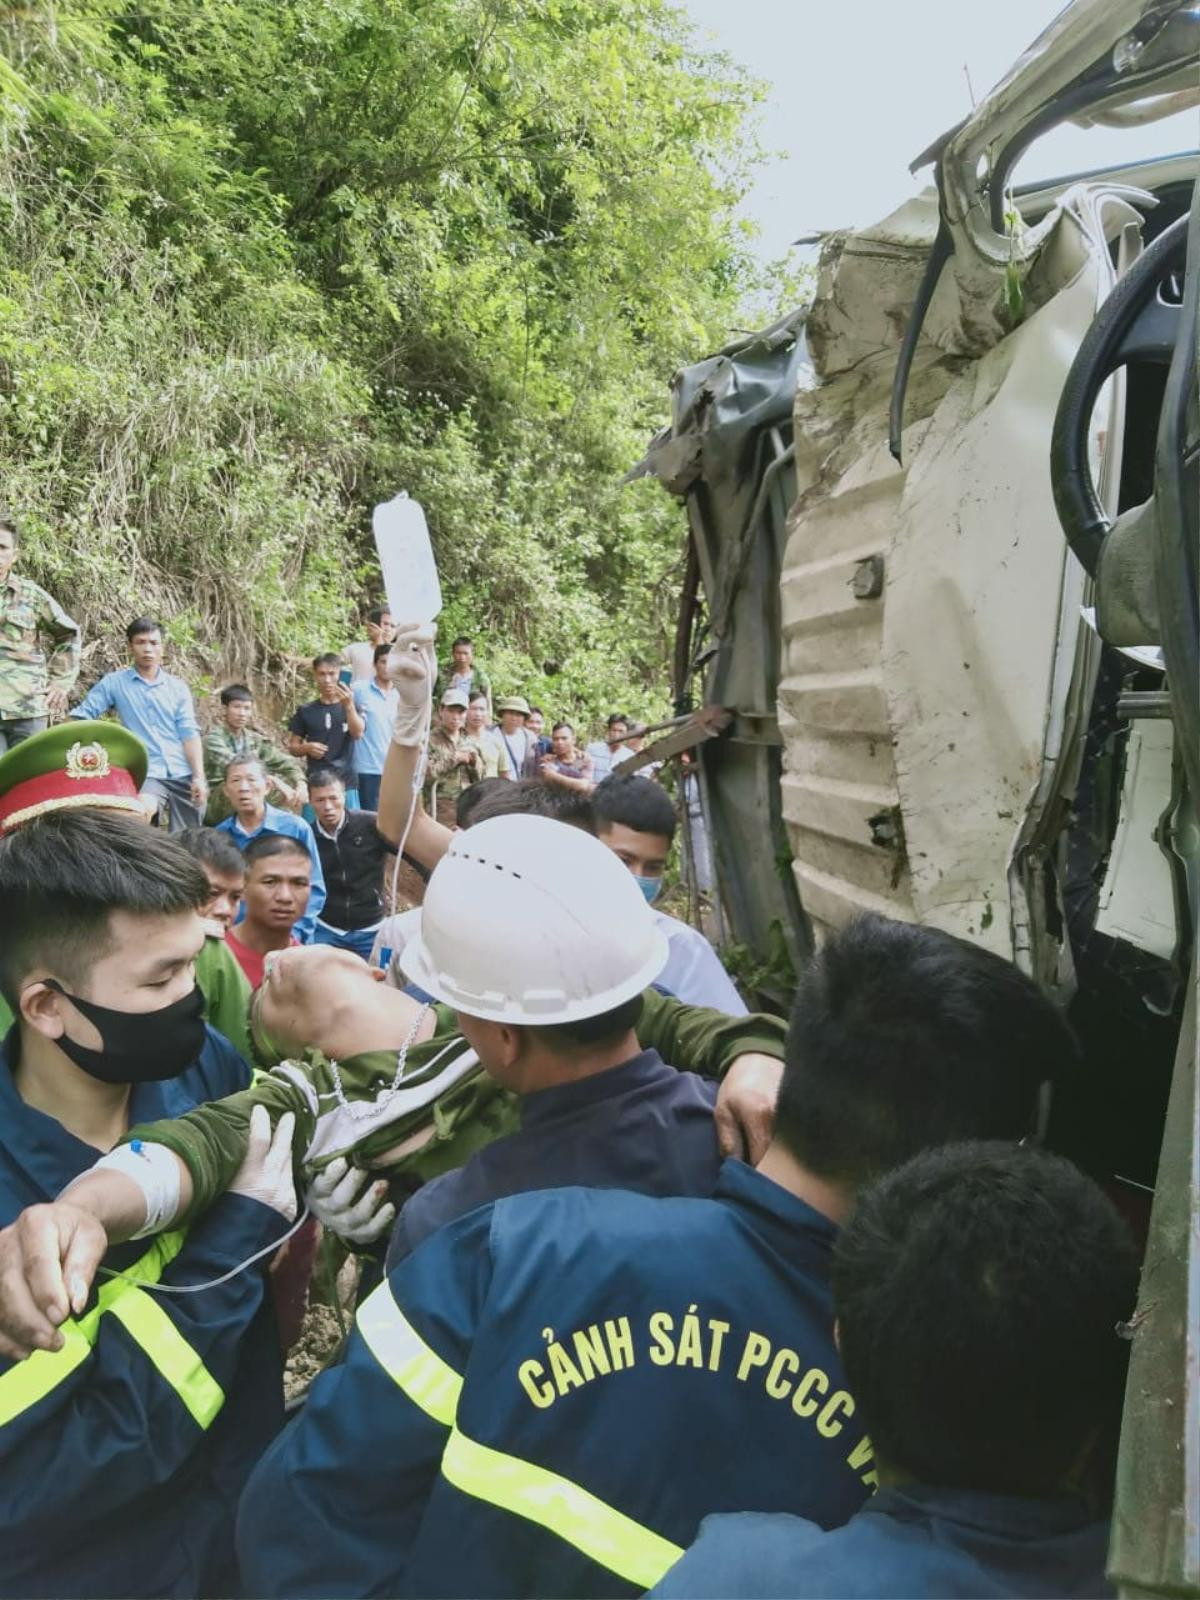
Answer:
x=101 y=766
x=548 y=1395
x=125 y=1439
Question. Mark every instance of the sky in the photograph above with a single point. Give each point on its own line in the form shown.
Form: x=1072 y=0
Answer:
x=858 y=88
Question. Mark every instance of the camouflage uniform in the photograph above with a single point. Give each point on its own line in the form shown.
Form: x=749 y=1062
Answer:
x=30 y=619
x=222 y=745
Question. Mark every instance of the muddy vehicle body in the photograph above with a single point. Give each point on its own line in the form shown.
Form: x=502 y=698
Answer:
x=943 y=552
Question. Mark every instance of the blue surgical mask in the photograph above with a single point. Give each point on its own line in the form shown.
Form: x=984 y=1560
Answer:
x=649 y=888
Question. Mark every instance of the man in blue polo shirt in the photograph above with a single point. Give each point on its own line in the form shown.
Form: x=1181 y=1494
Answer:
x=246 y=790
x=157 y=706
x=376 y=699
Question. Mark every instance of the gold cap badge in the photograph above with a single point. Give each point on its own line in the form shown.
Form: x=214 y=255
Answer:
x=87 y=761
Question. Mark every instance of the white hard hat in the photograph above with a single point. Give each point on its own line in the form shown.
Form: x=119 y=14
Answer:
x=531 y=921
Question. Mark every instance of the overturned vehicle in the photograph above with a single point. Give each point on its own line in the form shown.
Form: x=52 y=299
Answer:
x=942 y=574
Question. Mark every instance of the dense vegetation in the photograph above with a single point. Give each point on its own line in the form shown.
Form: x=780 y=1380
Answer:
x=265 y=262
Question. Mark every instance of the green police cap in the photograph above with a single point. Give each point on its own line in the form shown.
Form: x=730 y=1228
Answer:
x=72 y=765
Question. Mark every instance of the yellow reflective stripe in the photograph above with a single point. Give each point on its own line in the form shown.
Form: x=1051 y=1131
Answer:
x=605 y=1535
x=146 y=1321
x=402 y=1353
x=33 y=1379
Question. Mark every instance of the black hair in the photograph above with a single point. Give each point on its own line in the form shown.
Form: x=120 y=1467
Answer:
x=380 y=651
x=212 y=848
x=559 y=726
x=64 y=874
x=326 y=659
x=142 y=625
x=529 y=797
x=235 y=691
x=377 y=614
x=904 y=1037
x=567 y=1038
x=462 y=639
x=244 y=761
x=264 y=845
x=634 y=802
x=322 y=777
x=536 y=711
x=469 y=799
x=617 y=716
x=978 y=1291
x=477 y=694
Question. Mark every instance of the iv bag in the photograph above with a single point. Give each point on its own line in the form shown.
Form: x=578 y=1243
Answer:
x=410 y=578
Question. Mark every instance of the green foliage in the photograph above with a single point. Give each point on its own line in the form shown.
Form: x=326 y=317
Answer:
x=263 y=265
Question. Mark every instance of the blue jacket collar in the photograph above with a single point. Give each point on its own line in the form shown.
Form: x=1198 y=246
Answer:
x=640 y=1071
x=773 y=1209
x=1010 y=1516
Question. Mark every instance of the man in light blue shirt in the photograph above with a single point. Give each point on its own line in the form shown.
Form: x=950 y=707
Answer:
x=158 y=707
x=376 y=700
x=246 y=790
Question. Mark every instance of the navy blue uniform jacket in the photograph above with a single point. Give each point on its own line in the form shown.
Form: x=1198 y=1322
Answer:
x=548 y=1395
x=640 y=1126
x=942 y=1544
x=123 y=1454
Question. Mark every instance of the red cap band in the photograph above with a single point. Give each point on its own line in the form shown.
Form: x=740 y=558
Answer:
x=56 y=791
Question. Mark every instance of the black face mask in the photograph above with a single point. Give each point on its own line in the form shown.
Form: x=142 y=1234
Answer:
x=137 y=1046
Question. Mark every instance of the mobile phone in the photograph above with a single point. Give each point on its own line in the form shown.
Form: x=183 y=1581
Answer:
x=345 y=675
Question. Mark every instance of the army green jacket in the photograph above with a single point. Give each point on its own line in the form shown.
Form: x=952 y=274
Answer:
x=440 y=1110
x=39 y=649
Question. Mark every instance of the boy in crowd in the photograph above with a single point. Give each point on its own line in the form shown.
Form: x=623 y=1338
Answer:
x=39 y=649
x=979 y=1293
x=376 y=700
x=246 y=790
x=464 y=673
x=224 y=985
x=278 y=884
x=361 y=657
x=158 y=708
x=232 y=738
x=324 y=730
x=125 y=1442
x=636 y=820
x=355 y=859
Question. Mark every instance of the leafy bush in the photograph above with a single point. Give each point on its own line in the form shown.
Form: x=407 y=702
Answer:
x=263 y=265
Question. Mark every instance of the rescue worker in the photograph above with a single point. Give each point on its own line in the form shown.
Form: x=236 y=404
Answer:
x=978 y=1293
x=547 y=1396
x=100 y=766
x=124 y=1442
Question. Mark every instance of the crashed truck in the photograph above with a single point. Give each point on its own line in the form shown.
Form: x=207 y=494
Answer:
x=939 y=636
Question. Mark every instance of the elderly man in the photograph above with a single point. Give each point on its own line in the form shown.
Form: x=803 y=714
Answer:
x=246 y=788
x=39 y=650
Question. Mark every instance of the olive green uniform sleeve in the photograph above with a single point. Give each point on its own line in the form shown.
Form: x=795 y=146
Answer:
x=696 y=1039
x=226 y=991
x=278 y=763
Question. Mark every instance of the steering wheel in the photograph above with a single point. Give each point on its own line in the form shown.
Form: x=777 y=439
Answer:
x=1135 y=323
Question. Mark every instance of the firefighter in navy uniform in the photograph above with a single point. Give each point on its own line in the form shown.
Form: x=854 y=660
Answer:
x=125 y=1441
x=549 y=1393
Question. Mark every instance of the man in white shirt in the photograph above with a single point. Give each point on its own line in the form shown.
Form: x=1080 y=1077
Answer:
x=360 y=656
x=636 y=820
x=606 y=752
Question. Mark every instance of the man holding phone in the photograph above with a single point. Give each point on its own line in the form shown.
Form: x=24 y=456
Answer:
x=323 y=730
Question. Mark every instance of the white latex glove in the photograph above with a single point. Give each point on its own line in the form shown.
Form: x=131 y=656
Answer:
x=266 y=1172
x=350 y=1203
x=412 y=667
